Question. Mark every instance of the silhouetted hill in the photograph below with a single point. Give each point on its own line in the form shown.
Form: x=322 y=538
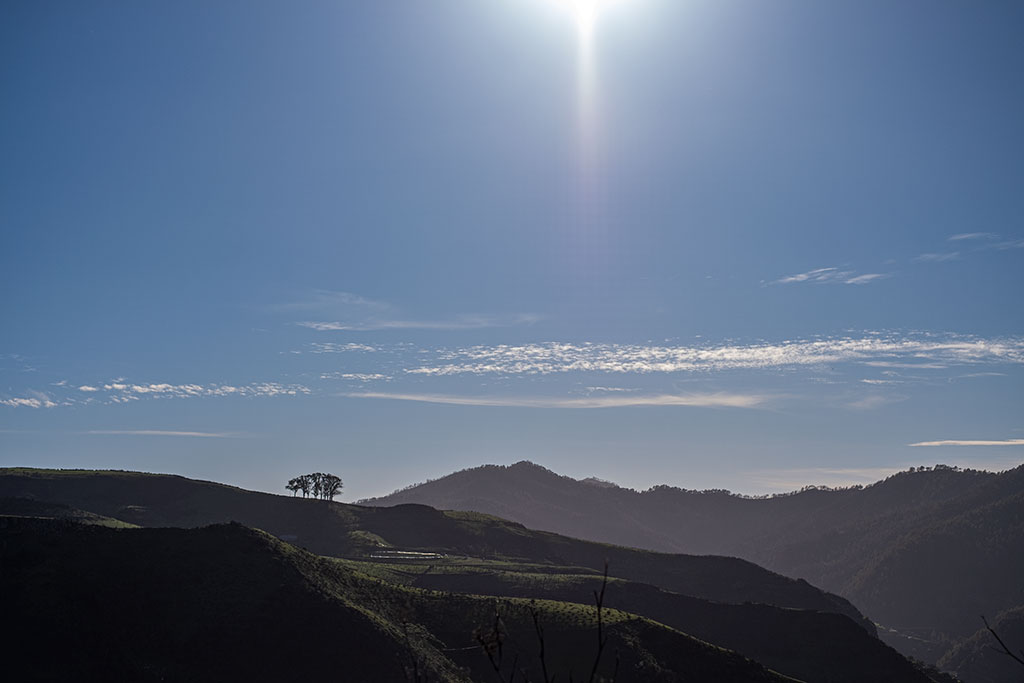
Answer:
x=343 y=530
x=226 y=603
x=922 y=552
x=789 y=625
x=221 y=603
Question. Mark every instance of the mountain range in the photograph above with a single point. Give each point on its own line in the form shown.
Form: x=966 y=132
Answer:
x=158 y=577
x=924 y=552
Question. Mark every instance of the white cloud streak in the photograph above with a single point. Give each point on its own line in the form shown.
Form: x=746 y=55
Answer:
x=552 y=358
x=330 y=347
x=938 y=257
x=959 y=442
x=973 y=236
x=356 y=376
x=327 y=300
x=128 y=391
x=29 y=402
x=866 y=278
x=832 y=276
x=122 y=391
x=875 y=402
x=161 y=432
x=459 y=323
x=717 y=400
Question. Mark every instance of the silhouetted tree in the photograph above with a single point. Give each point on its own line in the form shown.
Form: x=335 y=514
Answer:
x=321 y=485
x=330 y=486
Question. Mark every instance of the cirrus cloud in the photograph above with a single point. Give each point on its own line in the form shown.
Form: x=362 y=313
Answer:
x=716 y=400
x=968 y=442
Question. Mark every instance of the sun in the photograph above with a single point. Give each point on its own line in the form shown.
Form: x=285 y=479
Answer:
x=585 y=11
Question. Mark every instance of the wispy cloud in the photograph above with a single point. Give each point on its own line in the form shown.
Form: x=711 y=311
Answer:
x=883 y=351
x=349 y=312
x=324 y=300
x=331 y=347
x=875 y=401
x=964 y=442
x=28 y=402
x=866 y=278
x=467 y=322
x=123 y=391
x=988 y=240
x=717 y=400
x=161 y=432
x=795 y=478
x=831 y=276
x=357 y=376
x=940 y=257
x=163 y=390
x=908 y=366
x=973 y=236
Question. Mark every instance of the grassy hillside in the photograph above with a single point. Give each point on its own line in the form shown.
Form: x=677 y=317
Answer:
x=922 y=552
x=349 y=531
x=86 y=602
x=25 y=507
x=811 y=646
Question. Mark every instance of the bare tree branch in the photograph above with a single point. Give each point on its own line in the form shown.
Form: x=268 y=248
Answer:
x=601 y=639
x=1005 y=650
x=539 y=630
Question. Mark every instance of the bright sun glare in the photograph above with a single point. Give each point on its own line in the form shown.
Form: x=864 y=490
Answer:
x=585 y=11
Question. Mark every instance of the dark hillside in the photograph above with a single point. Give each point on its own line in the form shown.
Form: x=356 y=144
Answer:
x=228 y=603
x=219 y=603
x=808 y=645
x=348 y=530
x=27 y=507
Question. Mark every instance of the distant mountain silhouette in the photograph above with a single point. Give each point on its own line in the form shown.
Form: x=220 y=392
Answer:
x=785 y=624
x=923 y=552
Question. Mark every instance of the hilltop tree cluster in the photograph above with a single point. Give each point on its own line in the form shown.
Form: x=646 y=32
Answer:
x=318 y=484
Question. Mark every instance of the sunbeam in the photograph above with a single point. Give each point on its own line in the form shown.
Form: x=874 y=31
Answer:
x=589 y=210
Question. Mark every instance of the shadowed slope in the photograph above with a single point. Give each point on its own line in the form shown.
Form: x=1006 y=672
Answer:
x=229 y=603
x=810 y=646
x=349 y=530
x=219 y=603
x=922 y=552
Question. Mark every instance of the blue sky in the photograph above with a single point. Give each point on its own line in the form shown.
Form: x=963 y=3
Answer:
x=711 y=244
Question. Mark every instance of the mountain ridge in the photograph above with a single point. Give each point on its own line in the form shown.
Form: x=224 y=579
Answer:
x=754 y=609
x=940 y=542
